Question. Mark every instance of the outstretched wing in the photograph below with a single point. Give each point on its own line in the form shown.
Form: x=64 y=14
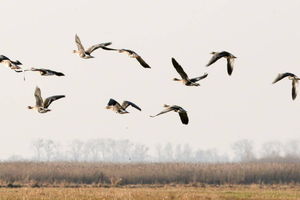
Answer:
x=294 y=89
x=128 y=51
x=16 y=62
x=164 y=111
x=282 y=76
x=49 y=100
x=46 y=71
x=54 y=72
x=3 y=57
x=125 y=104
x=179 y=69
x=38 y=97
x=112 y=102
x=230 y=62
x=183 y=116
x=109 y=49
x=199 y=78
x=216 y=57
x=97 y=46
x=78 y=43
x=142 y=62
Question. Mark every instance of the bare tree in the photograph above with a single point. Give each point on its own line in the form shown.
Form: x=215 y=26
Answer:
x=158 y=152
x=292 y=148
x=272 y=150
x=49 y=149
x=76 y=149
x=139 y=153
x=38 y=145
x=168 y=153
x=243 y=150
x=184 y=154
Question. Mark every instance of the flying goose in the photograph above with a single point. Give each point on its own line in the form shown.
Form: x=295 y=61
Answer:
x=14 y=65
x=182 y=113
x=133 y=54
x=45 y=72
x=292 y=77
x=185 y=79
x=230 y=59
x=121 y=109
x=40 y=105
x=87 y=53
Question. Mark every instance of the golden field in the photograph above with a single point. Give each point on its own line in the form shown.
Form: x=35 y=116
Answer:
x=253 y=192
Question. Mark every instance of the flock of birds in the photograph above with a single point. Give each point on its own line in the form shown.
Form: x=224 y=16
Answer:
x=42 y=106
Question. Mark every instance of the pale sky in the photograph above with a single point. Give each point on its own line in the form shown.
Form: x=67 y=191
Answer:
x=263 y=35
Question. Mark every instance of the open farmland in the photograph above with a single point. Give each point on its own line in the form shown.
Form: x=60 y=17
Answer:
x=253 y=192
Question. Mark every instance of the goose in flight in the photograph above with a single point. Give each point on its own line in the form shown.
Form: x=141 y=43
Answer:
x=87 y=53
x=121 y=109
x=14 y=65
x=42 y=106
x=45 y=72
x=223 y=54
x=133 y=54
x=292 y=77
x=182 y=113
x=185 y=79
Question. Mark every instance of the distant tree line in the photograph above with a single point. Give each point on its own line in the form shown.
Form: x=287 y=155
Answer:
x=124 y=151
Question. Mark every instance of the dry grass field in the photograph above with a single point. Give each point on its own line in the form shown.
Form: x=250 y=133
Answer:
x=149 y=181
x=253 y=192
x=72 y=174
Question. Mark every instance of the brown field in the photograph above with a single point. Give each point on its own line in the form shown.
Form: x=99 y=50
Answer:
x=253 y=192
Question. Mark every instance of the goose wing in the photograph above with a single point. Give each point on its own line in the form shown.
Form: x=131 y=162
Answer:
x=130 y=52
x=294 y=89
x=282 y=76
x=199 y=78
x=216 y=57
x=113 y=102
x=78 y=43
x=230 y=62
x=179 y=69
x=2 y=57
x=34 y=69
x=97 y=46
x=125 y=104
x=53 y=72
x=46 y=71
x=164 y=111
x=16 y=62
x=142 y=62
x=183 y=116
x=38 y=97
x=109 y=49
x=136 y=56
x=49 y=100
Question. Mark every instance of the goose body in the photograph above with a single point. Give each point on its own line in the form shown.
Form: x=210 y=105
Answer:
x=14 y=65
